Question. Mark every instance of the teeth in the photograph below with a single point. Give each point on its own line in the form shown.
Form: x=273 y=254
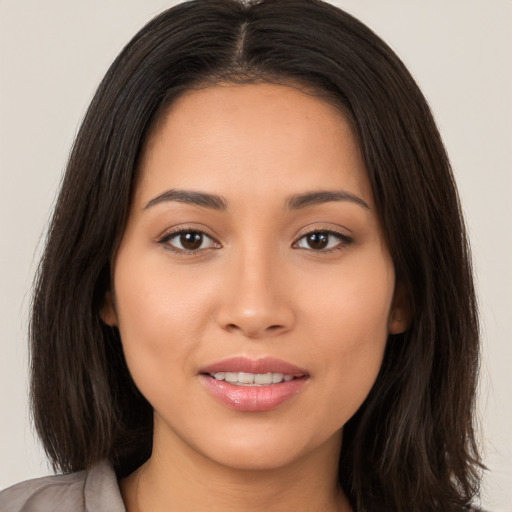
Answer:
x=263 y=378
x=246 y=378
x=252 y=379
x=277 y=377
x=229 y=376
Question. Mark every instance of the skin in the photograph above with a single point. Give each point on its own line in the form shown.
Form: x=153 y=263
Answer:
x=256 y=287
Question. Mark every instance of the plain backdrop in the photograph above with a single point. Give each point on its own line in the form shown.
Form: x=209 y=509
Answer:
x=53 y=55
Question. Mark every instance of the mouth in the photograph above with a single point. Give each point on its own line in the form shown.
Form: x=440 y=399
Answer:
x=253 y=385
x=252 y=379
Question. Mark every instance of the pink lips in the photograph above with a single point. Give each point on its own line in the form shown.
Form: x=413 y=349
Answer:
x=253 y=398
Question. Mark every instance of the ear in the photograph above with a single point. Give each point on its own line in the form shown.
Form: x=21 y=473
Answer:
x=108 y=311
x=400 y=315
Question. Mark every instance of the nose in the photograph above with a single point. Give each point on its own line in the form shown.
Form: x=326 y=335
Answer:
x=256 y=302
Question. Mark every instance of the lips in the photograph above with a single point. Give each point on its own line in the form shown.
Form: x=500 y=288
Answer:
x=262 y=365
x=253 y=385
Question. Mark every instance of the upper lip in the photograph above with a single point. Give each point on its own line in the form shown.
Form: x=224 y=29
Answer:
x=261 y=365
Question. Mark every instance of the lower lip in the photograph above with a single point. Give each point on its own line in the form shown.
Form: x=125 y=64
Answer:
x=253 y=398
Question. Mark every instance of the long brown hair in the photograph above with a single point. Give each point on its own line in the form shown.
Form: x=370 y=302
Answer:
x=411 y=446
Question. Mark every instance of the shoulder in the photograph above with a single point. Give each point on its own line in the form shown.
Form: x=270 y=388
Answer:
x=76 y=492
x=43 y=493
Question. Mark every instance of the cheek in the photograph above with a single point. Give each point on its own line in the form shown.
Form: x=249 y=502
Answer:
x=354 y=303
x=350 y=317
x=152 y=294
x=160 y=318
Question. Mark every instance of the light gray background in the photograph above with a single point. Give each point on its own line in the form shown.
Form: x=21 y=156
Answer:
x=52 y=56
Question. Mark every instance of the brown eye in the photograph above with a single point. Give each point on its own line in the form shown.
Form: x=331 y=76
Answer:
x=191 y=241
x=187 y=241
x=317 y=240
x=323 y=241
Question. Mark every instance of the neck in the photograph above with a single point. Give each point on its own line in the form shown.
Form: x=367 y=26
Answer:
x=184 y=480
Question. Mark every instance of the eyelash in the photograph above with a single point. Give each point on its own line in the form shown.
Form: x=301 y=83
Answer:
x=343 y=241
x=167 y=237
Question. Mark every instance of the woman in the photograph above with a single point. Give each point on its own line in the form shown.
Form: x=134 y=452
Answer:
x=256 y=291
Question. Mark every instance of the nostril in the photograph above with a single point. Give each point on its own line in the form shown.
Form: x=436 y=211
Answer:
x=259 y=320
x=254 y=331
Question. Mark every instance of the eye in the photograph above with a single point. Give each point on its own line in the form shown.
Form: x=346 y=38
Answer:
x=187 y=240
x=323 y=241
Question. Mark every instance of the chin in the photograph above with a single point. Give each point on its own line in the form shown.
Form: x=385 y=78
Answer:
x=264 y=448
x=260 y=457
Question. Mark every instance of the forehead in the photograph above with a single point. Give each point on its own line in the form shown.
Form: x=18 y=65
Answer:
x=252 y=137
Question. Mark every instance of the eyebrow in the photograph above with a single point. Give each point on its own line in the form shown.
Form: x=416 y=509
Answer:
x=295 y=202
x=212 y=201
x=299 y=201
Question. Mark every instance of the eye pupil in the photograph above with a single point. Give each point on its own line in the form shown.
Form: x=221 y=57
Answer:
x=191 y=241
x=318 y=240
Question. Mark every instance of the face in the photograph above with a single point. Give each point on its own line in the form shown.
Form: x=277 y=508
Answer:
x=252 y=288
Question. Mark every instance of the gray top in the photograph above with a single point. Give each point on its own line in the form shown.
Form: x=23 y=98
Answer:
x=93 y=490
